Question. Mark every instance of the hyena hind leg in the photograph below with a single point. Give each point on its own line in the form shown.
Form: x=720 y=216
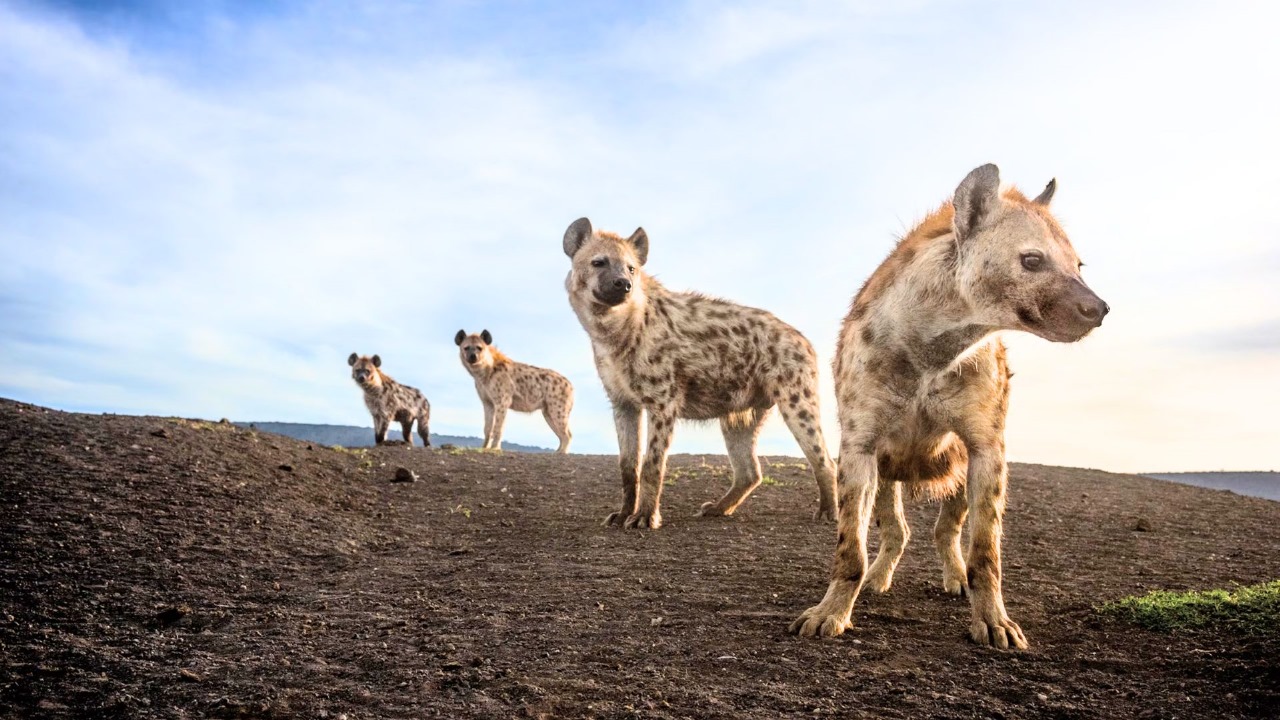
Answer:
x=559 y=424
x=424 y=429
x=894 y=534
x=801 y=417
x=406 y=428
x=740 y=433
x=946 y=538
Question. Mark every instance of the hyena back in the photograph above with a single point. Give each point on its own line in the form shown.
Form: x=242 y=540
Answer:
x=389 y=400
x=504 y=384
x=923 y=389
x=672 y=355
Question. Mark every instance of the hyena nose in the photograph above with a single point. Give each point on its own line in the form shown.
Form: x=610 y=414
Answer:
x=622 y=284
x=1094 y=310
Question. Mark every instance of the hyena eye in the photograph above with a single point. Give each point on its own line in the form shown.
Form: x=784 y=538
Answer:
x=631 y=268
x=599 y=262
x=1032 y=261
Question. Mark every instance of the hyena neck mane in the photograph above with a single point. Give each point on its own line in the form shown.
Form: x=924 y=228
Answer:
x=913 y=299
x=494 y=360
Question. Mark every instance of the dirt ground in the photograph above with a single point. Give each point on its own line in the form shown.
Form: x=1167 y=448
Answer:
x=162 y=568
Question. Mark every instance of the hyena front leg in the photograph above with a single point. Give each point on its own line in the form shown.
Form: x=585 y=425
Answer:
x=832 y=616
x=801 y=417
x=894 y=534
x=740 y=433
x=406 y=429
x=488 y=425
x=662 y=422
x=987 y=481
x=499 y=420
x=626 y=418
x=380 y=426
x=946 y=538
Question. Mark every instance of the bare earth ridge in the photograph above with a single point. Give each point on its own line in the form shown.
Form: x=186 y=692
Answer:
x=159 y=568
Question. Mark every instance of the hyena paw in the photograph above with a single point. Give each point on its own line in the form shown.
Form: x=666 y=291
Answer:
x=954 y=585
x=711 y=509
x=651 y=519
x=997 y=632
x=614 y=518
x=826 y=512
x=817 y=621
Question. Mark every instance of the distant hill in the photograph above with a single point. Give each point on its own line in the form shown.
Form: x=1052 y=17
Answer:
x=351 y=436
x=1257 y=484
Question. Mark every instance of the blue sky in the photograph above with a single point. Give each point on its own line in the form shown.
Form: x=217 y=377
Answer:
x=205 y=207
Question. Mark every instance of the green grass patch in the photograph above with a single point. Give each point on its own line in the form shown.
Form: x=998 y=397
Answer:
x=769 y=481
x=449 y=449
x=1248 y=610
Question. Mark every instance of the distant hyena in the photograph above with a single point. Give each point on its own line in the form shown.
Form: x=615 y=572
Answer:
x=923 y=388
x=685 y=355
x=503 y=383
x=388 y=400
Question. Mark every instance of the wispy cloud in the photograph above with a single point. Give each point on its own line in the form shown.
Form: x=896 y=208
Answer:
x=206 y=207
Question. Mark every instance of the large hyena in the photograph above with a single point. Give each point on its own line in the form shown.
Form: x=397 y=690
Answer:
x=388 y=400
x=503 y=383
x=684 y=355
x=923 y=389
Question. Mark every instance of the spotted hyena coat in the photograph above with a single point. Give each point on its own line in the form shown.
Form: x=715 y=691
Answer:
x=504 y=384
x=669 y=355
x=389 y=400
x=922 y=387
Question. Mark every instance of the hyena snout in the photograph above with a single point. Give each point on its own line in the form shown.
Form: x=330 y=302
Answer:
x=1074 y=313
x=472 y=358
x=614 y=291
x=1089 y=309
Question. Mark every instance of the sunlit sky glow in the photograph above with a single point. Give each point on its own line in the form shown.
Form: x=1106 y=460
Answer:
x=206 y=206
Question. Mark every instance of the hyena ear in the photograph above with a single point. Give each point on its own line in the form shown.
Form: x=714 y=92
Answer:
x=377 y=361
x=577 y=234
x=1047 y=194
x=457 y=339
x=352 y=360
x=640 y=241
x=976 y=199
x=486 y=337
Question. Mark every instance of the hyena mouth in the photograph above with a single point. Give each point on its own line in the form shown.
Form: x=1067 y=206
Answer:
x=612 y=299
x=472 y=359
x=1026 y=317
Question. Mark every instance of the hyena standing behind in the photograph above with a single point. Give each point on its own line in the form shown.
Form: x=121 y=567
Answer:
x=388 y=400
x=504 y=384
x=923 y=390
x=683 y=355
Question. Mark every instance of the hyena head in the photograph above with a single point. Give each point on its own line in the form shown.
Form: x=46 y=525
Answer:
x=606 y=267
x=364 y=370
x=1016 y=267
x=474 y=349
